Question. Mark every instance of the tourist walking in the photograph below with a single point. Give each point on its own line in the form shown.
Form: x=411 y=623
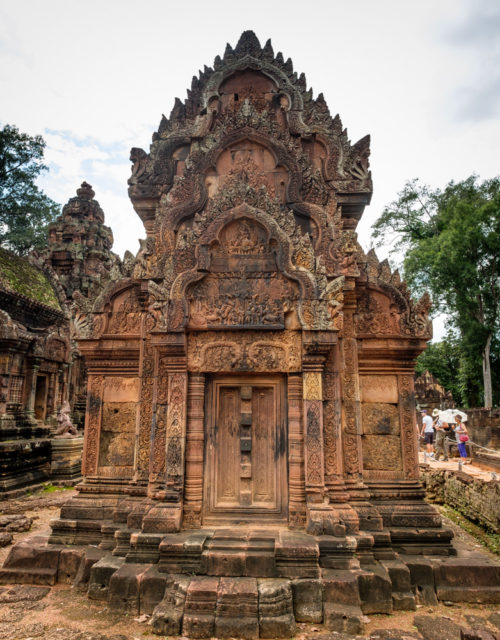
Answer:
x=427 y=432
x=442 y=430
x=461 y=437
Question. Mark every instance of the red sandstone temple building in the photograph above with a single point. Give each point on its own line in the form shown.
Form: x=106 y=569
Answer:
x=250 y=401
x=256 y=367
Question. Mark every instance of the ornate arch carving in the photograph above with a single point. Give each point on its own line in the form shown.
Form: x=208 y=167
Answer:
x=268 y=261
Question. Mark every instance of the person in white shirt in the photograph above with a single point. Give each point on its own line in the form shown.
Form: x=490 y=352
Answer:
x=428 y=432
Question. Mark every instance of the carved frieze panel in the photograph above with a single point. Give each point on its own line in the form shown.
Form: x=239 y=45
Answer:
x=268 y=352
x=377 y=315
x=382 y=453
x=247 y=301
x=121 y=316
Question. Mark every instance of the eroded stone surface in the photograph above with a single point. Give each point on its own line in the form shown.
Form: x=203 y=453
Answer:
x=437 y=628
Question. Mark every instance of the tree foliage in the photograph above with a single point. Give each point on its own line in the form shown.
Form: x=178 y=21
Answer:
x=25 y=211
x=450 y=240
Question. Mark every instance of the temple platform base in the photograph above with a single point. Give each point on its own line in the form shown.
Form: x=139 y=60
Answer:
x=257 y=582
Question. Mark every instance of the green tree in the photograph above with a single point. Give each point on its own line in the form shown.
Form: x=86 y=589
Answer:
x=25 y=211
x=450 y=240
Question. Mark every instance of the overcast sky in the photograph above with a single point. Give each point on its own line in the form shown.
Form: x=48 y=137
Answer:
x=94 y=76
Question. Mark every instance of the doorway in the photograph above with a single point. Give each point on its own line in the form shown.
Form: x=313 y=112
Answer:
x=41 y=397
x=246 y=451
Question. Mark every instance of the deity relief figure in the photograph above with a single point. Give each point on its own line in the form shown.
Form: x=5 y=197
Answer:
x=65 y=428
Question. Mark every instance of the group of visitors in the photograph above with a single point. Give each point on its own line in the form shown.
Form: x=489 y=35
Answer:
x=435 y=432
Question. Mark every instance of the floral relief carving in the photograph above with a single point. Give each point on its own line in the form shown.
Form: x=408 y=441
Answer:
x=408 y=429
x=94 y=409
x=210 y=351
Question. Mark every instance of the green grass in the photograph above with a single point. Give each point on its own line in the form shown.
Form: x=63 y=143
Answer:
x=489 y=540
x=50 y=488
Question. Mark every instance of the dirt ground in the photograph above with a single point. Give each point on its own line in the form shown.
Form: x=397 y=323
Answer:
x=64 y=613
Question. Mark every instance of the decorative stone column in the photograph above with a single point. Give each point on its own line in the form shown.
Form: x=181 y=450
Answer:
x=195 y=444
x=321 y=518
x=145 y=409
x=296 y=481
x=408 y=427
x=167 y=433
x=92 y=425
x=31 y=387
x=51 y=398
x=369 y=518
x=333 y=443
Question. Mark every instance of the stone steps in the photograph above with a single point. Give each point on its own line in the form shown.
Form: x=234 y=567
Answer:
x=183 y=599
x=45 y=576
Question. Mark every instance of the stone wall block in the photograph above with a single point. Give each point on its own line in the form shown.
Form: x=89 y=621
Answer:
x=403 y=598
x=91 y=557
x=200 y=607
x=70 y=560
x=468 y=580
x=380 y=418
x=422 y=579
x=168 y=614
x=100 y=576
x=343 y=618
x=151 y=589
x=308 y=600
x=276 y=618
x=379 y=389
x=237 y=608
x=123 y=591
x=375 y=589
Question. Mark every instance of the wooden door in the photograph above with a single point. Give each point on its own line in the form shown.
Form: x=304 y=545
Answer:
x=245 y=476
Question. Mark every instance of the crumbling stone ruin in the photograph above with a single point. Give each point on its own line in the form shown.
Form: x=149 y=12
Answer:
x=250 y=452
x=41 y=368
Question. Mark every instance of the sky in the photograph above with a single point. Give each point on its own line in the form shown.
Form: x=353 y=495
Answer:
x=94 y=77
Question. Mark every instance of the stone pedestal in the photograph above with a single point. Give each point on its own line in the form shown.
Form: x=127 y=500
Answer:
x=66 y=460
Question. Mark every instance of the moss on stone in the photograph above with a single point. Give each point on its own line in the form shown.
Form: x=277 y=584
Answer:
x=19 y=276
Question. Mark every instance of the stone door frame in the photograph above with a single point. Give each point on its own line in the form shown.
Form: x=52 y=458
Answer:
x=213 y=515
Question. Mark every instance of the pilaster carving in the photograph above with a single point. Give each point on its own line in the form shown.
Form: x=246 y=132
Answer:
x=93 y=425
x=146 y=366
x=350 y=390
x=176 y=432
x=195 y=441
x=297 y=510
x=408 y=427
